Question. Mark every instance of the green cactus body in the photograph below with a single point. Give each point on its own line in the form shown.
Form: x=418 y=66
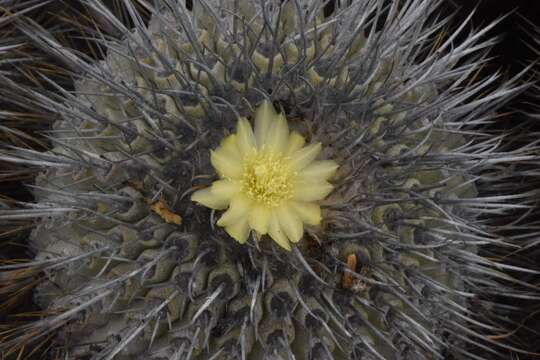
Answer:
x=140 y=126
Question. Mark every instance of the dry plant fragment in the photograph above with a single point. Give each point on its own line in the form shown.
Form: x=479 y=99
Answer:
x=160 y=207
x=348 y=279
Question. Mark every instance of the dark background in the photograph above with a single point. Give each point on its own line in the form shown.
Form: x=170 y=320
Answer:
x=512 y=51
x=519 y=46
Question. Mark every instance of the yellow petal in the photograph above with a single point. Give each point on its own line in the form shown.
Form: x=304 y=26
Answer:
x=239 y=208
x=225 y=189
x=264 y=116
x=239 y=230
x=244 y=136
x=319 y=170
x=294 y=143
x=290 y=223
x=312 y=191
x=278 y=135
x=310 y=213
x=229 y=146
x=276 y=233
x=225 y=164
x=206 y=198
x=259 y=218
x=303 y=157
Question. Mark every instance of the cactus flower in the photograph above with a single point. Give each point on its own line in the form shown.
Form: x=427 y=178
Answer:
x=269 y=181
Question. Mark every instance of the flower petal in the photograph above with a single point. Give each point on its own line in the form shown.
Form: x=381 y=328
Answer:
x=290 y=223
x=229 y=146
x=278 y=135
x=312 y=191
x=294 y=143
x=259 y=218
x=238 y=230
x=245 y=138
x=310 y=213
x=276 y=233
x=239 y=208
x=225 y=164
x=319 y=170
x=303 y=157
x=225 y=188
x=206 y=198
x=264 y=116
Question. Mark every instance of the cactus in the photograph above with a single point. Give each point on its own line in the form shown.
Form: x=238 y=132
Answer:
x=389 y=267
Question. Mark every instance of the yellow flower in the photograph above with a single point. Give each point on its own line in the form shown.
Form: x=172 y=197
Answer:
x=269 y=181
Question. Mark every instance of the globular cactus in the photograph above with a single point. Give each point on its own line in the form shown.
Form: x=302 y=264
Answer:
x=378 y=255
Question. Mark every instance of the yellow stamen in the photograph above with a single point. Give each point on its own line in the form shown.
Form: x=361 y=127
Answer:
x=267 y=178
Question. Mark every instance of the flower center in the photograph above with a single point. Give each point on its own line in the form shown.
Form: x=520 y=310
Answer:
x=267 y=179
